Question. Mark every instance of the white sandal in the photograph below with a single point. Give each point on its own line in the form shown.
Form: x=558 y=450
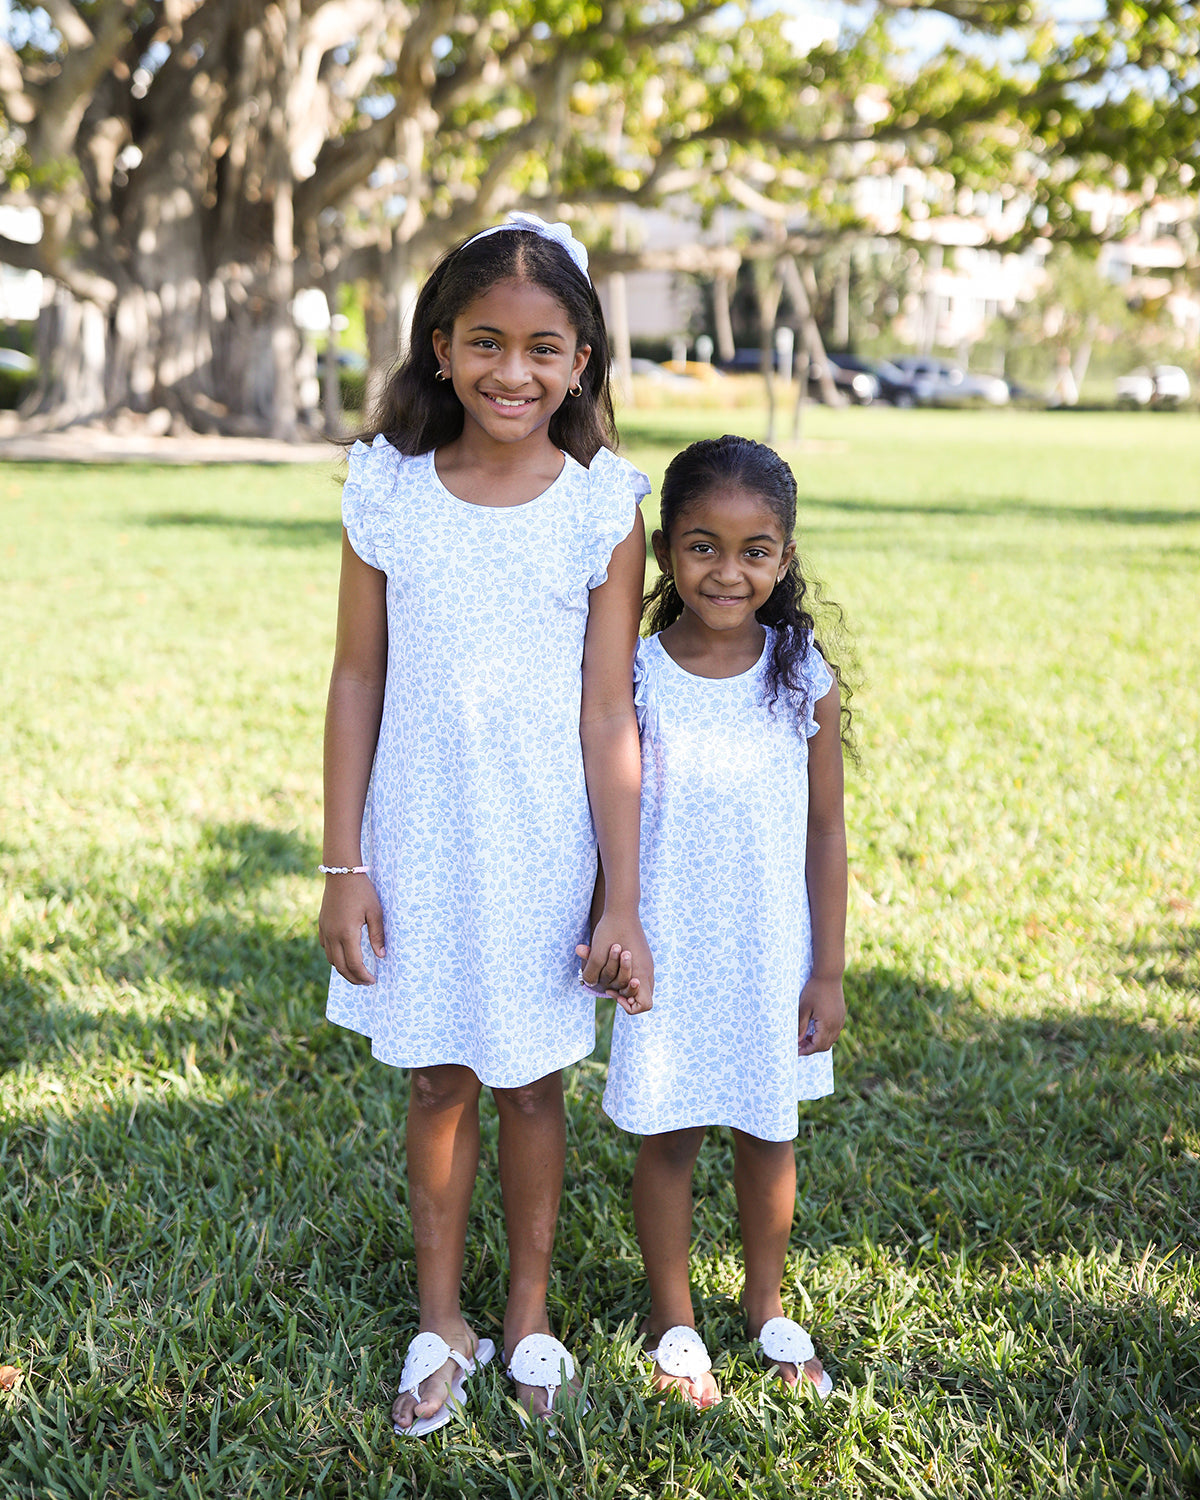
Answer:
x=784 y=1342
x=539 y=1360
x=429 y=1352
x=682 y=1353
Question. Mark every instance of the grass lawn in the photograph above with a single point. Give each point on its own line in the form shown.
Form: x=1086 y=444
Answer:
x=207 y=1279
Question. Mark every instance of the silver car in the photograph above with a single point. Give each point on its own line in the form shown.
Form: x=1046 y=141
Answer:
x=939 y=382
x=1163 y=385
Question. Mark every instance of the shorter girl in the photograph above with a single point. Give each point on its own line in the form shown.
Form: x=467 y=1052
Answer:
x=744 y=891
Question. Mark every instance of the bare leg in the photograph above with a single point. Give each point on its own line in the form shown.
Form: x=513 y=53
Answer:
x=662 y=1211
x=764 y=1179
x=533 y=1147
x=443 y=1156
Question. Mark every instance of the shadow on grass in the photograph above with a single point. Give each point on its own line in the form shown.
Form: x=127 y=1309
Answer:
x=1174 y=962
x=238 y=1155
x=992 y=508
x=279 y=530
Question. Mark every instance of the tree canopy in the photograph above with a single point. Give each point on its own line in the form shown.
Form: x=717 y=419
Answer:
x=198 y=162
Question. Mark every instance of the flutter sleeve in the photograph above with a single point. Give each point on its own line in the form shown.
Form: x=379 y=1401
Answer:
x=645 y=700
x=818 y=680
x=369 y=501
x=615 y=490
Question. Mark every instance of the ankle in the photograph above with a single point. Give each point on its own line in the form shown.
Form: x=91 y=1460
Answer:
x=522 y=1317
x=760 y=1308
x=666 y=1315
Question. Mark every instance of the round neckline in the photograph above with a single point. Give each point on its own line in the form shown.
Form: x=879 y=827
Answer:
x=449 y=494
x=736 y=677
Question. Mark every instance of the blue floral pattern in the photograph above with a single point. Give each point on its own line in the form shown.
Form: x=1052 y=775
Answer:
x=724 y=905
x=476 y=829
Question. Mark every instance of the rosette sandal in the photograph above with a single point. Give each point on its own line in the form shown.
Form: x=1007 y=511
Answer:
x=429 y=1352
x=783 y=1342
x=682 y=1354
x=539 y=1360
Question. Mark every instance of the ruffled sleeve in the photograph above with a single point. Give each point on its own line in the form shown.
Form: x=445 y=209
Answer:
x=645 y=700
x=818 y=680
x=369 y=501
x=615 y=490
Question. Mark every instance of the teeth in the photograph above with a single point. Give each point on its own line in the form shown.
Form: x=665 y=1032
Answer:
x=500 y=401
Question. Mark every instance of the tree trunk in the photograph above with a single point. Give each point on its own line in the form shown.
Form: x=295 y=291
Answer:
x=841 y=306
x=618 y=303
x=800 y=371
x=798 y=290
x=72 y=349
x=723 y=318
x=1083 y=354
x=768 y=288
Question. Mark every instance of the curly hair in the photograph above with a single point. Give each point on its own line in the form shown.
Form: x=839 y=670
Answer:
x=726 y=462
x=416 y=412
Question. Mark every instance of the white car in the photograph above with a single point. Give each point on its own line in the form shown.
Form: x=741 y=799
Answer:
x=1161 y=385
x=938 y=382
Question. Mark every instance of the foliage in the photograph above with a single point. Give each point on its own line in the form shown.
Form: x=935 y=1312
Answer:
x=315 y=143
x=207 y=1276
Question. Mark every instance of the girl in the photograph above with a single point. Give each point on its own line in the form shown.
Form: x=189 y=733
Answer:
x=744 y=861
x=480 y=740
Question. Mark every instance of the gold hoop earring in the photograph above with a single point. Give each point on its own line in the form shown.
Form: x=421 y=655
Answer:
x=440 y=374
x=574 y=390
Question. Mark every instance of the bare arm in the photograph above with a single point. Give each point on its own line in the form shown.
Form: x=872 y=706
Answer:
x=352 y=719
x=612 y=759
x=825 y=873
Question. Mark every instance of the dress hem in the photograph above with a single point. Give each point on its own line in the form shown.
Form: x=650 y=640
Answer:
x=395 y=1060
x=707 y=1121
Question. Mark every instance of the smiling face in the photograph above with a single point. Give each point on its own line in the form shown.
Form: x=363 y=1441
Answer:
x=727 y=552
x=512 y=356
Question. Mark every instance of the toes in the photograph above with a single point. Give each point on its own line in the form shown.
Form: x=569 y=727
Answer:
x=704 y=1392
x=535 y=1400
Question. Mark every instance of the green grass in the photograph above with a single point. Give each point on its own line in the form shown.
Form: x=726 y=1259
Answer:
x=207 y=1278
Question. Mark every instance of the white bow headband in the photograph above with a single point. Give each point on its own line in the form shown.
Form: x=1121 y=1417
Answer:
x=560 y=233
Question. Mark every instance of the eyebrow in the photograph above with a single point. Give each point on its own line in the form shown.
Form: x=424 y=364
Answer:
x=761 y=536
x=546 y=333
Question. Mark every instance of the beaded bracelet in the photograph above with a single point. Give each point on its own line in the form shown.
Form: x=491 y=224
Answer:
x=343 y=870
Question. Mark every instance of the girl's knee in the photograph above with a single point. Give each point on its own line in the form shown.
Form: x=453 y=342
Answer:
x=432 y=1090
x=542 y=1096
x=767 y=1153
x=675 y=1148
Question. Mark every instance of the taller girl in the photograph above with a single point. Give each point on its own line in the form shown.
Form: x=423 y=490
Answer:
x=480 y=743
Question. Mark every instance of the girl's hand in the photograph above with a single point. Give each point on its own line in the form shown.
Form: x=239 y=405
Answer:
x=823 y=1013
x=622 y=970
x=350 y=904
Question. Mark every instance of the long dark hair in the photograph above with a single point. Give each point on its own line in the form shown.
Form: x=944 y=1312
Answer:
x=416 y=412
x=726 y=462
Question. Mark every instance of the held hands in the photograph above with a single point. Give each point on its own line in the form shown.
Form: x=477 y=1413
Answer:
x=624 y=971
x=349 y=905
x=822 y=1015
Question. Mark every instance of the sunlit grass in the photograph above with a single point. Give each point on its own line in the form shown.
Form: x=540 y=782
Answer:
x=207 y=1279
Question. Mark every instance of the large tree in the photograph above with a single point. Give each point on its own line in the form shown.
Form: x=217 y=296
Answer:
x=199 y=161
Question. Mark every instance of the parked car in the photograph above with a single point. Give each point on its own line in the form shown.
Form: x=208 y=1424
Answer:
x=745 y=362
x=651 y=370
x=894 y=386
x=349 y=362
x=939 y=382
x=1160 y=385
x=16 y=362
x=17 y=373
x=691 y=369
x=857 y=386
